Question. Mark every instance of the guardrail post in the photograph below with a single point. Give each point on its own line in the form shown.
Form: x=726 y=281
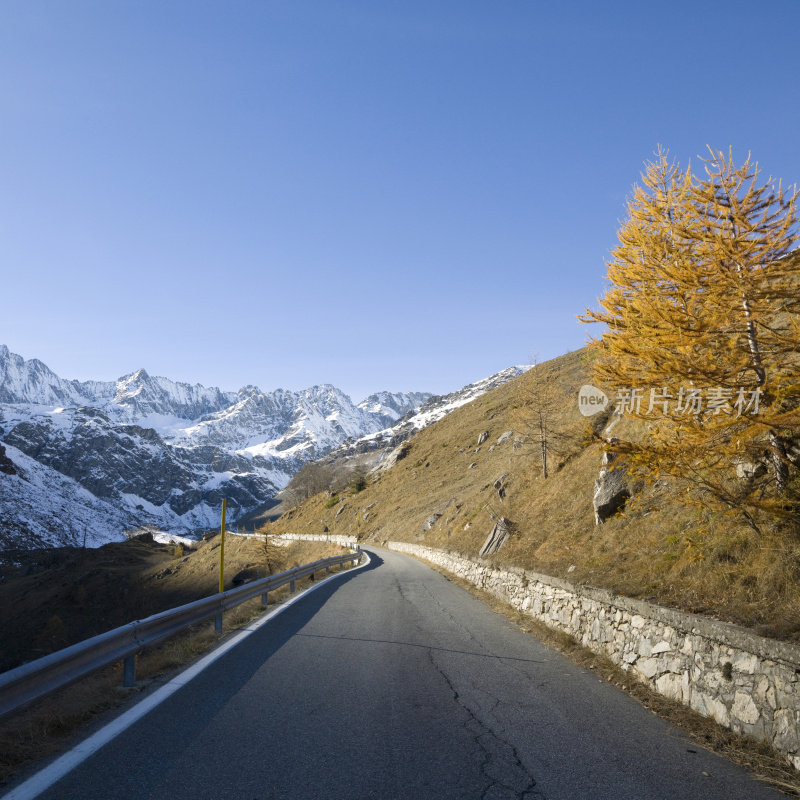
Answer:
x=327 y=568
x=291 y=587
x=129 y=671
x=218 y=623
x=264 y=598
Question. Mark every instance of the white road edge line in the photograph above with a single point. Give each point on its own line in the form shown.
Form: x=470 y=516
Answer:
x=46 y=777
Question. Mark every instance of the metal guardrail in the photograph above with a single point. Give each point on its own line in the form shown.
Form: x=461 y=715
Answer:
x=34 y=680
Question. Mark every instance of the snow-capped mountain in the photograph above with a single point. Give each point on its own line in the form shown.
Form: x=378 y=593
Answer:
x=34 y=382
x=158 y=452
x=380 y=443
x=283 y=424
x=40 y=507
x=132 y=398
x=140 y=396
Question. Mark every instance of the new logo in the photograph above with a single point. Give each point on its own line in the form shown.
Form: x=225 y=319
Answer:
x=591 y=400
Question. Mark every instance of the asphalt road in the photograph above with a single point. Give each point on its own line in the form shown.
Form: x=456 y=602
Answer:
x=392 y=682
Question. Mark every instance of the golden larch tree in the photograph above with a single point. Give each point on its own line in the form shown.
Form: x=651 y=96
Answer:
x=703 y=330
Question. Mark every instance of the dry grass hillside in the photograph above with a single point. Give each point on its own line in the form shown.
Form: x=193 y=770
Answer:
x=692 y=558
x=52 y=598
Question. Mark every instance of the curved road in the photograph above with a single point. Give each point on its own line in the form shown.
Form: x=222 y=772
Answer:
x=391 y=682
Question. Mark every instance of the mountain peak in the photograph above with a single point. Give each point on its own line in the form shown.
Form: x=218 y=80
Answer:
x=139 y=376
x=34 y=382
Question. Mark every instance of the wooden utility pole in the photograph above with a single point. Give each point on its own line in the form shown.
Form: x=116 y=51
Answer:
x=222 y=549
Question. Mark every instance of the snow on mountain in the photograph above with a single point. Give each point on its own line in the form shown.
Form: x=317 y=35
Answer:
x=40 y=507
x=390 y=405
x=131 y=398
x=437 y=406
x=165 y=453
x=33 y=382
x=292 y=425
x=94 y=458
x=114 y=460
x=138 y=395
x=434 y=408
x=252 y=419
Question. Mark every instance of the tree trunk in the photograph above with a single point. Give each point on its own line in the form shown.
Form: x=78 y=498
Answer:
x=543 y=441
x=780 y=465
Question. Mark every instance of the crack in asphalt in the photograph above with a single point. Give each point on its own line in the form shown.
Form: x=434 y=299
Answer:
x=420 y=645
x=496 y=752
x=446 y=612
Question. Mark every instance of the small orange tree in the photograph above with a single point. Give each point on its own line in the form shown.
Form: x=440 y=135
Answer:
x=702 y=330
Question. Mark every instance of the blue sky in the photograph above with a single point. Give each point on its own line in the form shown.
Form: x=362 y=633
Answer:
x=380 y=195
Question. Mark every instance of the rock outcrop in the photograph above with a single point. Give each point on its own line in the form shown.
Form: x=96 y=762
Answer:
x=499 y=484
x=747 y=470
x=437 y=512
x=397 y=454
x=611 y=490
x=431 y=520
x=496 y=538
x=505 y=437
x=6 y=464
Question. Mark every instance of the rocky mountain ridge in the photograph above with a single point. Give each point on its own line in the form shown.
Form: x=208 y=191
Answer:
x=378 y=451
x=380 y=444
x=153 y=451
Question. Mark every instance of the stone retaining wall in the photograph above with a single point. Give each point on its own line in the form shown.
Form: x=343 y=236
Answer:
x=333 y=538
x=745 y=682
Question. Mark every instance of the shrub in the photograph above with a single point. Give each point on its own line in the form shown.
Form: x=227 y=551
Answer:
x=358 y=482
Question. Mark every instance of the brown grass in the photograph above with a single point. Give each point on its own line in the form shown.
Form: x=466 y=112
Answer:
x=676 y=555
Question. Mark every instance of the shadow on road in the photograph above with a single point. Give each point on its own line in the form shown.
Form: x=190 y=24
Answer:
x=216 y=685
